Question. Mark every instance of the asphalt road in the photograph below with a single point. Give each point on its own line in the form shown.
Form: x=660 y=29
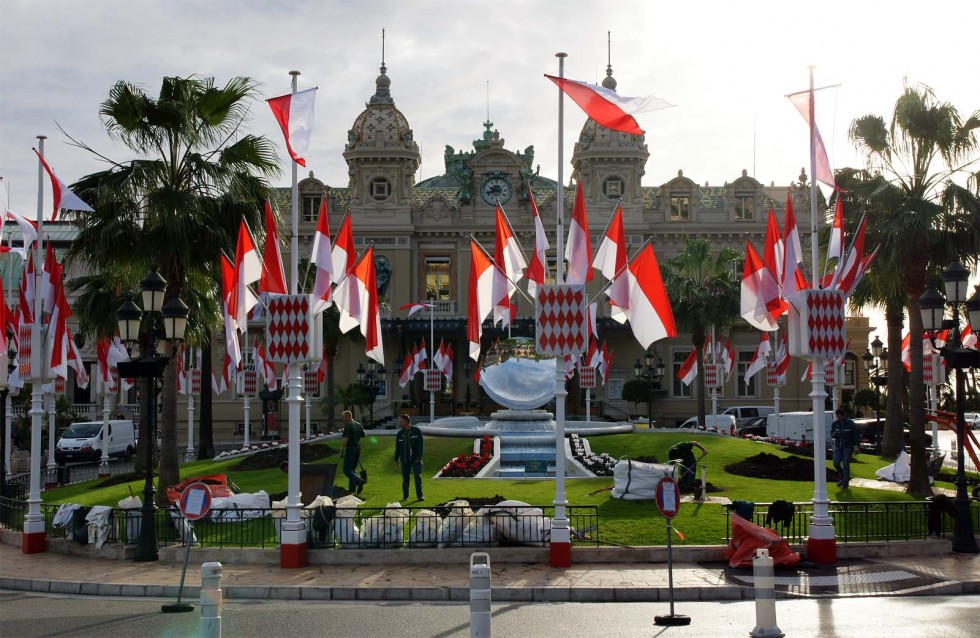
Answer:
x=29 y=615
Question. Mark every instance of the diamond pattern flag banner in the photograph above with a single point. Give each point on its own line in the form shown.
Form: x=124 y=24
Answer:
x=586 y=377
x=432 y=380
x=818 y=329
x=561 y=320
x=293 y=332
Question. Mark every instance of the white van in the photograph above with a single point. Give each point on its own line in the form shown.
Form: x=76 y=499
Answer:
x=718 y=424
x=83 y=441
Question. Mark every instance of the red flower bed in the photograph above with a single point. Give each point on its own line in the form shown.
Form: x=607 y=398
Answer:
x=467 y=465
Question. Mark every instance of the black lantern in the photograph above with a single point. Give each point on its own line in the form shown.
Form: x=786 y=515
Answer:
x=932 y=307
x=150 y=365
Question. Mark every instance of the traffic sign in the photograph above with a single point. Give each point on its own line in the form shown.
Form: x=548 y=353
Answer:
x=195 y=501
x=668 y=497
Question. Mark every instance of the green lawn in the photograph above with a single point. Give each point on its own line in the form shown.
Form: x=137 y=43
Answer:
x=625 y=522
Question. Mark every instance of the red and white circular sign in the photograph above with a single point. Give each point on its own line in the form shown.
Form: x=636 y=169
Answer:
x=195 y=501
x=668 y=497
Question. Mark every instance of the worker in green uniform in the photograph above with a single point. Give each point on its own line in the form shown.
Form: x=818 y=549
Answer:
x=684 y=452
x=351 y=451
x=409 y=445
x=846 y=436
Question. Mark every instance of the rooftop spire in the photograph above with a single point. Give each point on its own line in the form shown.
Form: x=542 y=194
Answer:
x=609 y=81
x=382 y=93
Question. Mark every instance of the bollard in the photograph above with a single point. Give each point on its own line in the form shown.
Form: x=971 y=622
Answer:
x=765 y=597
x=480 y=595
x=210 y=600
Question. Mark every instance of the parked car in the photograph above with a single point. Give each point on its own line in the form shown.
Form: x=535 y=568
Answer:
x=752 y=427
x=972 y=420
x=719 y=424
x=745 y=413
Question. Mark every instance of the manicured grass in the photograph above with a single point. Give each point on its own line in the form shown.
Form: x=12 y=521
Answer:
x=624 y=522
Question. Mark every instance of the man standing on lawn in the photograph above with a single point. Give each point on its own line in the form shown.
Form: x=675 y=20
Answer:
x=408 y=453
x=351 y=451
x=846 y=437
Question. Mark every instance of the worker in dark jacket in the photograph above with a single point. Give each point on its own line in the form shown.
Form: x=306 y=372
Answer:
x=408 y=453
x=846 y=437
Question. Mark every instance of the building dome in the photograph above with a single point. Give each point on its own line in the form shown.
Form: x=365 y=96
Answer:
x=380 y=124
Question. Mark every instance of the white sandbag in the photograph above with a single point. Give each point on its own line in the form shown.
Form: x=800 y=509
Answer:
x=426 y=530
x=899 y=471
x=637 y=481
x=279 y=507
x=518 y=522
x=240 y=507
x=346 y=532
x=386 y=529
x=454 y=523
x=479 y=531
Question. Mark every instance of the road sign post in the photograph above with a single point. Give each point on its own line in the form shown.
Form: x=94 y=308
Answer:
x=194 y=504
x=669 y=502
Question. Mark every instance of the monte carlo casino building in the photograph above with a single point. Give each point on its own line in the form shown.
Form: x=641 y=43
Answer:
x=421 y=236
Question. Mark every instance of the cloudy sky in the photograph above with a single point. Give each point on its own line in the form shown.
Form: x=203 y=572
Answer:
x=727 y=67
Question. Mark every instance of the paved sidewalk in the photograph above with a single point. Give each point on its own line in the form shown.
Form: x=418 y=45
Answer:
x=52 y=572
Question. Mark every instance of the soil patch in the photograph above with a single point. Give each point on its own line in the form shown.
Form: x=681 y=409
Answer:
x=277 y=456
x=770 y=466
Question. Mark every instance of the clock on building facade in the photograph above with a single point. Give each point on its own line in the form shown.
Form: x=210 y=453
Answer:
x=496 y=187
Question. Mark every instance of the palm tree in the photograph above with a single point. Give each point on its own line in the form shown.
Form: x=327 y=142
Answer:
x=926 y=146
x=176 y=205
x=865 y=194
x=704 y=290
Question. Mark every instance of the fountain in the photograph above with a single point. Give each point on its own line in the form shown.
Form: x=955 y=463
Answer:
x=514 y=376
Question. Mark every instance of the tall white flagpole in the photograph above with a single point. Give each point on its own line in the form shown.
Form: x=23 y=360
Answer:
x=821 y=536
x=106 y=412
x=33 y=539
x=561 y=548
x=432 y=346
x=293 y=537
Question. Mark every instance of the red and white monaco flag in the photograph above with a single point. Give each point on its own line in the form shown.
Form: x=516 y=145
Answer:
x=772 y=251
x=835 y=248
x=610 y=259
x=62 y=197
x=480 y=296
x=414 y=307
x=759 y=359
x=649 y=311
x=323 y=259
x=343 y=253
x=689 y=369
x=607 y=107
x=408 y=370
x=263 y=367
x=510 y=261
x=228 y=304
x=578 y=250
x=248 y=270
x=273 y=276
x=537 y=270
x=28 y=230
x=357 y=298
x=294 y=112
x=793 y=279
x=760 y=302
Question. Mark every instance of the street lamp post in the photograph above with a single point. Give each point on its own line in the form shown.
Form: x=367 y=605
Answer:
x=932 y=306
x=4 y=427
x=876 y=365
x=150 y=365
x=371 y=380
x=652 y=373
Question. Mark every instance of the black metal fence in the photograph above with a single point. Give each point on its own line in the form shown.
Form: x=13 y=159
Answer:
x=327 y=527
x=863 y=522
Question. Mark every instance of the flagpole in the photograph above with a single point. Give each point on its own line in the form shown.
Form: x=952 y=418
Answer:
x=247 y=408
x=293 y=536
x=432 y=345
x=821 y=543
x=561 y=548
x=714 y=387
x=34 y=537
x=502 y=270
